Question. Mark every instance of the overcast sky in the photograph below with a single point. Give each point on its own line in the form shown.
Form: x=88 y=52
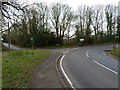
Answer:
x=75 y=3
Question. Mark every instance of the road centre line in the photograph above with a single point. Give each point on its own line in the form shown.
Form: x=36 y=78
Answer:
x=101 y=64
x=69 y=50
x=87 y=53
x=69 y=81
x=66 y=52
x=74 y=48
x=105 y=67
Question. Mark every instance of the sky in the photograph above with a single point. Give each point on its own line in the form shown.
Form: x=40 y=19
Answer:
x=75 y=3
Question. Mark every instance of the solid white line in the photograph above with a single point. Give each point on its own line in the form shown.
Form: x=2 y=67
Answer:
x=69 y=81
x=105 y=67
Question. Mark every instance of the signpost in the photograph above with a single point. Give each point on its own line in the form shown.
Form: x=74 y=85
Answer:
x=1 y=39
x=32 y=44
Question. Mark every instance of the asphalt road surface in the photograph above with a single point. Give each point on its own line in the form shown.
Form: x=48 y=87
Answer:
x=12 y=47
x=90 y=67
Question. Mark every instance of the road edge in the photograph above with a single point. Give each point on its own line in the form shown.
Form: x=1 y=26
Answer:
x=62 y=78
x=110 y=55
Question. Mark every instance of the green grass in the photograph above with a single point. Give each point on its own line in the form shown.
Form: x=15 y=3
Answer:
x=115 y=51
x=17 y=67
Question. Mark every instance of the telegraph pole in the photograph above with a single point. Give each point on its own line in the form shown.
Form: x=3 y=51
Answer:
x=8 y=37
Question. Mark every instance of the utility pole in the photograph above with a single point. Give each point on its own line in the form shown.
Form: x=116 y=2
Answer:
x=1 y=27
x=8 y=37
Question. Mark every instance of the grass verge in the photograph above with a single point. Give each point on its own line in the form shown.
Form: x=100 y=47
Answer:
x=17 y=67
x=115 y=51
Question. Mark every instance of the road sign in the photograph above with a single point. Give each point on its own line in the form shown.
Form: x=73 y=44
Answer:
x=81 y=40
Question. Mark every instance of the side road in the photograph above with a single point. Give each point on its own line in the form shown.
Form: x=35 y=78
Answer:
x=13 y=47
x=45 y=74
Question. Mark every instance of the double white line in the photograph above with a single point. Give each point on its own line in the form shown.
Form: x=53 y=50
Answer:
x=66 y=76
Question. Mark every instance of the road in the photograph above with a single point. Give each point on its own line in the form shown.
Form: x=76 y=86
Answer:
x=12 y=47
x=90 y=67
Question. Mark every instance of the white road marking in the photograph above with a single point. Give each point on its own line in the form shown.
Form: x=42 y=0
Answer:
x=104 y=53
x=74 y=48
x=69 y=81
x=65 y=52
x=105 y=67
x=87 y=53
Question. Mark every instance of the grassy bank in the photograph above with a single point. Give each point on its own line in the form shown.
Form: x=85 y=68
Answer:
x=115 y=51
x=18 y=66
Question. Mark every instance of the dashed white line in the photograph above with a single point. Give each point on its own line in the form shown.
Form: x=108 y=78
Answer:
x=105 y=67
x=87 y=53
x=69 y=81
x=66 y=52
x=74 y=48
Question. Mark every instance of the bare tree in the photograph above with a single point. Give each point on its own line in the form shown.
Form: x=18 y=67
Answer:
x=62 y=17
x=55 y=17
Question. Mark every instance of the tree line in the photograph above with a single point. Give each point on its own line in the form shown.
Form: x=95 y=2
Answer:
x=45 y=25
